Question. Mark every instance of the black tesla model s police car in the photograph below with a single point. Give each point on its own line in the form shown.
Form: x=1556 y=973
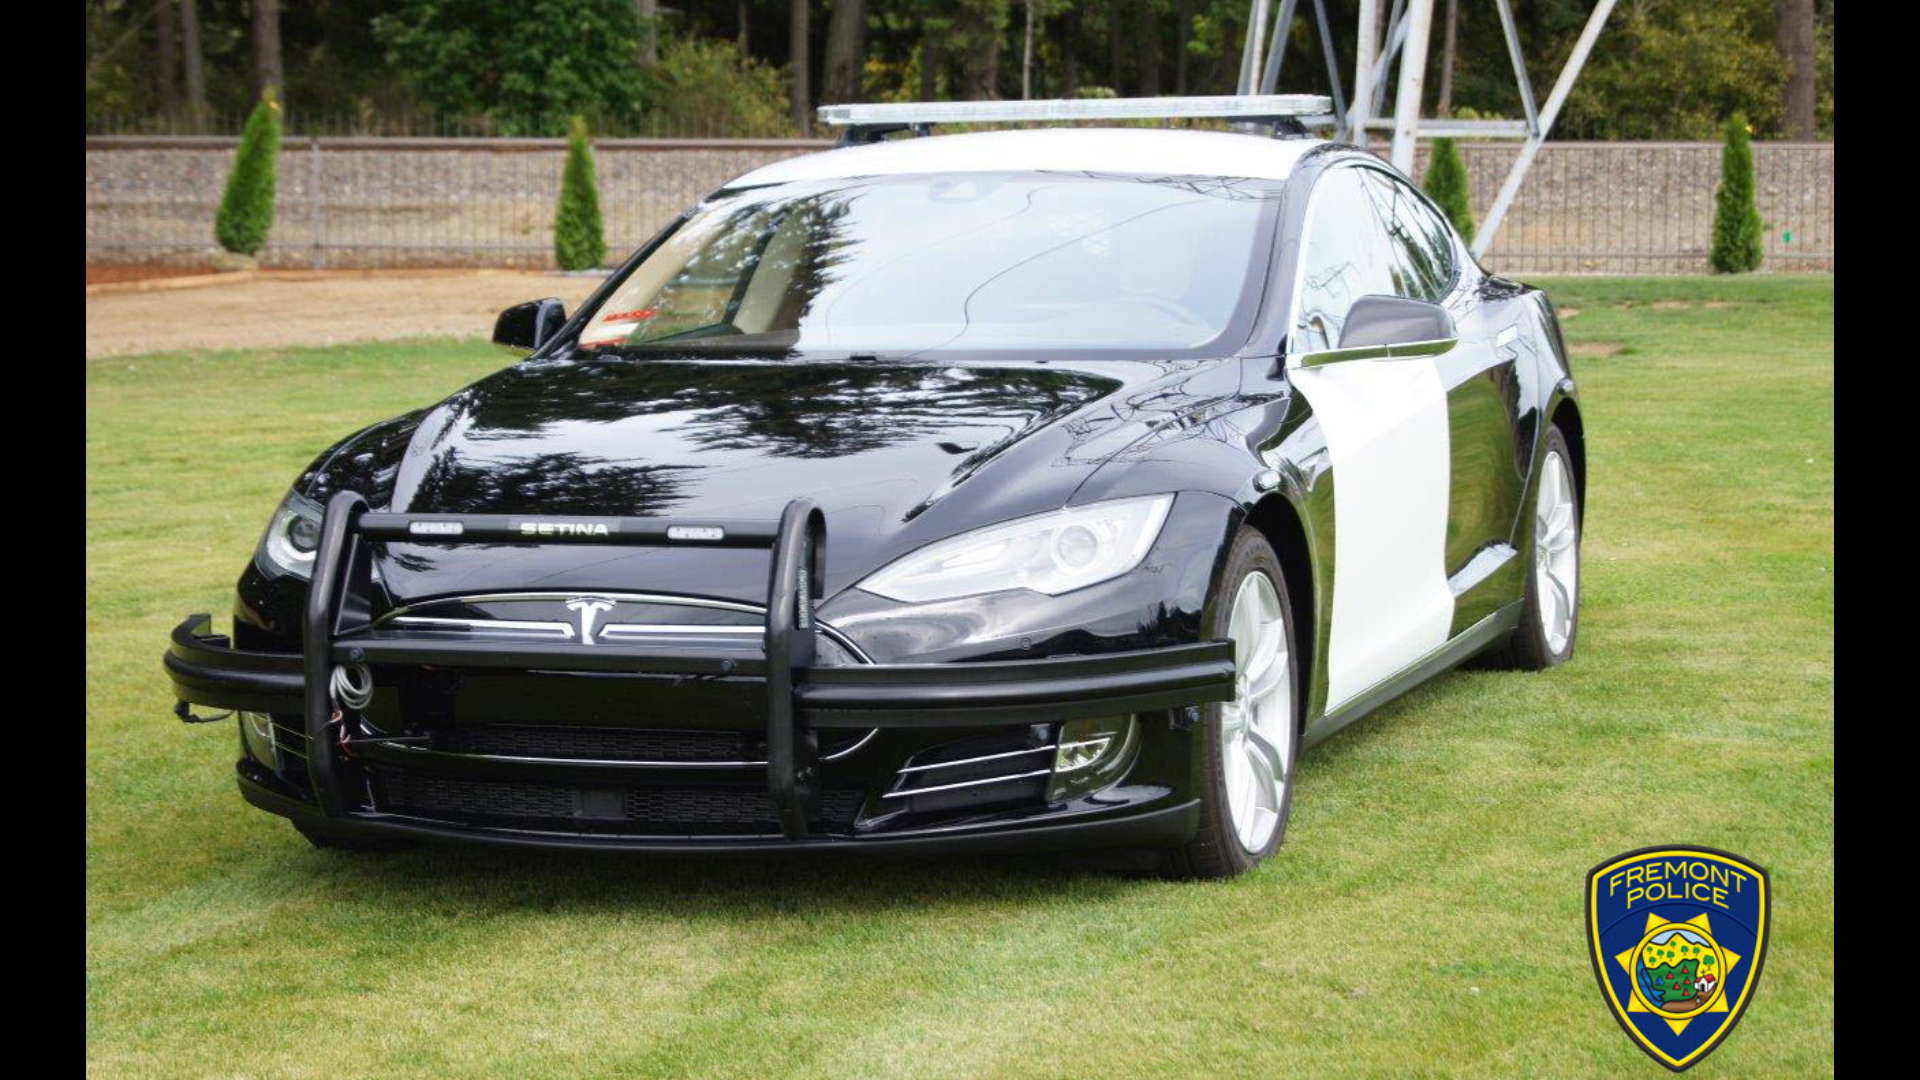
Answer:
x=1044 y=488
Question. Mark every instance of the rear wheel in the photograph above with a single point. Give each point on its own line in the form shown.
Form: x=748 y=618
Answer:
x=1248 y=745
x=1550 y=618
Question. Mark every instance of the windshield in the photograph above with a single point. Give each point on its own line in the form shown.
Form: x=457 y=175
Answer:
x=896 y=265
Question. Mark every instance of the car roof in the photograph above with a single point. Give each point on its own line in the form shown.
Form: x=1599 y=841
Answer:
x=1152 y=151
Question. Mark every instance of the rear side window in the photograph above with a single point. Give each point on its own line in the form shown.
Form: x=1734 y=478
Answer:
x=1420 y=242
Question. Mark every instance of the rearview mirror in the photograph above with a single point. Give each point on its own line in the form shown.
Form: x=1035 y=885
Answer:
x=523 y=328
x=1394 y=320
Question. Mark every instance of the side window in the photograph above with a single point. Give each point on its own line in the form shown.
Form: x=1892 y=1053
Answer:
x=1422 y=243
x=1345 y=258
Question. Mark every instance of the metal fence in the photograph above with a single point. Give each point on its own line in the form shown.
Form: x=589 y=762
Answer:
x=1636 y=208
x=376 y=202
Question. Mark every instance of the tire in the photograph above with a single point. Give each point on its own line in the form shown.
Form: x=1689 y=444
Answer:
x=326 y=839
x=1533 y=646
x=1218 y=848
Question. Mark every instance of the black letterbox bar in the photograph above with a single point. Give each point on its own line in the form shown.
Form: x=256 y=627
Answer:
x=546 y=529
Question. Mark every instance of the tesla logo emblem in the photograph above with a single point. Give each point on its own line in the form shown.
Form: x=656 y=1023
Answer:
x=589 y=608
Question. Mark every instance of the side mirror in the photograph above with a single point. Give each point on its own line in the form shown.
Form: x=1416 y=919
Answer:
x=1394 y=320
x=523 y=328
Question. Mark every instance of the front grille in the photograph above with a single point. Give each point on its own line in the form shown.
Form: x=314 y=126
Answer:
x=478 y=798
x=720 y=809
x=674 y=811
x=614 y=744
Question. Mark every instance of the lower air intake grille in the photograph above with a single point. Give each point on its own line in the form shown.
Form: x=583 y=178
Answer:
x=717 y=810
x=613 y=744
x=672 y=811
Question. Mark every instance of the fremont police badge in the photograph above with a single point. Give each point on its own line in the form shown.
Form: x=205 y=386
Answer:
x=1678 y=936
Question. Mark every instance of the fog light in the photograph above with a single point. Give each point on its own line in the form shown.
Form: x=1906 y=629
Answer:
x=256 y=735
x=1080 y=753
x=1090 y=755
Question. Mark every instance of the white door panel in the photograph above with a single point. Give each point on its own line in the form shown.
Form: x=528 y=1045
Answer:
x=1386 y=427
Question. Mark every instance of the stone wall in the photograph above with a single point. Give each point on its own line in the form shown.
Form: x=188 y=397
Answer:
x=1585 y=207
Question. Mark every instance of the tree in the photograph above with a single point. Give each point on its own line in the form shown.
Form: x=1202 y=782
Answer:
x=1736 y=220
x=1448 y=43
x=579 y=239
x=1147 y=33
x=929 y=66
x=191 y=59
x=166 y=57
x=268 y=71
x=1026 y=57
x=1674 y=69
x=1793 y=38
x=1446 y=182
x=705 y=85
x=977 y=31
x=648 y=12
x=1183 y=33
x=246 y=207
x=797 y=62
x=844 y=79
x=523 y=69
x=1664 y=69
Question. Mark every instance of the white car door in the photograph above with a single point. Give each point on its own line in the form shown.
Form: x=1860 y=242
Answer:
x=1386 y=426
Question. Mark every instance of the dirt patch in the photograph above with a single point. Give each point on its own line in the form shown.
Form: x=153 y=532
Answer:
x=115 y=273
x=1594 y=350
x=308 y=308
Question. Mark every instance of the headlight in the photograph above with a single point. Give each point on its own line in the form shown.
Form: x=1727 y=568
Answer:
x=291 y=537
x=1049 y=553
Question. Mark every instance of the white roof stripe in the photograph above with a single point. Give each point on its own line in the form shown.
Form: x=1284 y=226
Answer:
x=1152 y=151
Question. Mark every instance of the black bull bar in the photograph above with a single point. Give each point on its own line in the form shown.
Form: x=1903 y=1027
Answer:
x=801 y=698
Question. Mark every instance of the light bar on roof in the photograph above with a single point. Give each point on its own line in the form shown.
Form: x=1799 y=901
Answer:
x=1224 y=106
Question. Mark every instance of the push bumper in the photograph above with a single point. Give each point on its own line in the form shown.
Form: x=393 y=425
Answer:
x=208 y=671
x=804 y=703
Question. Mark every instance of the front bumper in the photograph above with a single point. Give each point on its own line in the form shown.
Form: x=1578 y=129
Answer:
x=676 y=744
x=988 y=729
x=665 y=743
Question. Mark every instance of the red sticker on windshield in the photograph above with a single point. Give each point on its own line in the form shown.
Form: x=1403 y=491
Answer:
x=643 y=313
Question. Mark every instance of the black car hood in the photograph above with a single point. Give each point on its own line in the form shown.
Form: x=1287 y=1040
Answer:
x=897 y=454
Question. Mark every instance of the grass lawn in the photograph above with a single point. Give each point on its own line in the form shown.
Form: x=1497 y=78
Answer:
x=1424 y=919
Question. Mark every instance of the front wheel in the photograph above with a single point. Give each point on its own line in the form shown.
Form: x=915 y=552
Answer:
x=1550 y=616
x=1248 y=745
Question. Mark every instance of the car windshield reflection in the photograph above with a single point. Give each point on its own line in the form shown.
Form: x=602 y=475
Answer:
x=988 y=262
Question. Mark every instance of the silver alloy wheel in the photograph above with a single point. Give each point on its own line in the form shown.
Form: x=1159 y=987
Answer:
x=1556 y=557
x=1256 y=727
